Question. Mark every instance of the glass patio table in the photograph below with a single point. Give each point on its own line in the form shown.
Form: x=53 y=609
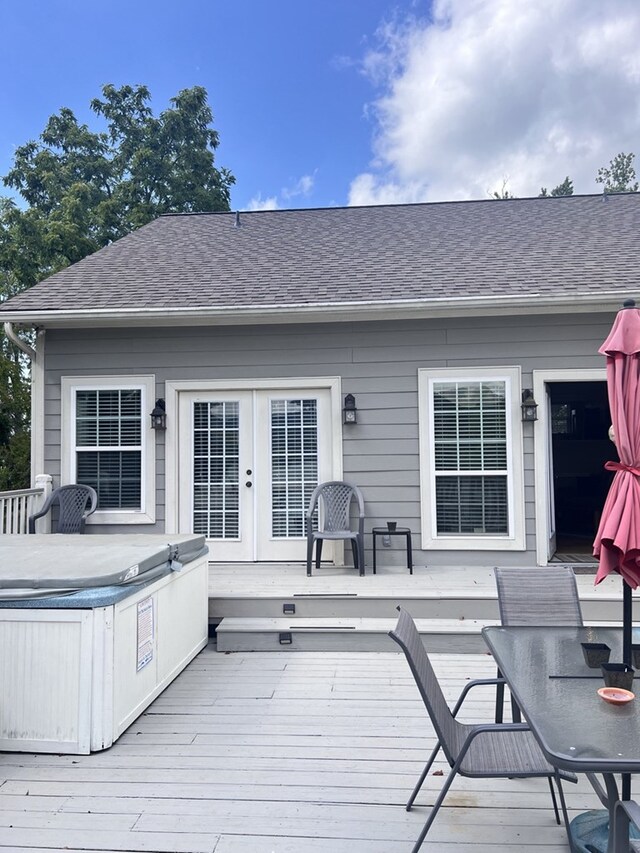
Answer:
x=576 y=729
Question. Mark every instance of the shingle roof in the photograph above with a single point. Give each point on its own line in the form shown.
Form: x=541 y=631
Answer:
x=520 y=247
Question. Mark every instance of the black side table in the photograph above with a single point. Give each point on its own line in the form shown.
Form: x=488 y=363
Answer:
x=399 y=531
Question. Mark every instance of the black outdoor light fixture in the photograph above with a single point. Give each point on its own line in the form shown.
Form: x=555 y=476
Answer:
x=159 y=416
x=349 y=411
x=529 y=406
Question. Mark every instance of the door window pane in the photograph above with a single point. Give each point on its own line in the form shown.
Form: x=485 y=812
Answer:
x=216 y=488
x=294 y=464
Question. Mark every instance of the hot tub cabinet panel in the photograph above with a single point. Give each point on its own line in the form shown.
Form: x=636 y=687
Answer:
x=72 y=678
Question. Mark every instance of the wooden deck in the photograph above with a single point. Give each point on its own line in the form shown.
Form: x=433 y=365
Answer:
x=285 y=752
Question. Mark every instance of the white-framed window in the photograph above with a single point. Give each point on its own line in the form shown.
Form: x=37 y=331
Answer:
x=108 y=443
x=471 y=477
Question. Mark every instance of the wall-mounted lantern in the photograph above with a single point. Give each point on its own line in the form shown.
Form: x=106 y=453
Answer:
x=159 y=416
x=349 y=411
x=529 y=406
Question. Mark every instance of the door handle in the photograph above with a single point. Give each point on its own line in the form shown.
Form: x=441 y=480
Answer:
x=248 y=483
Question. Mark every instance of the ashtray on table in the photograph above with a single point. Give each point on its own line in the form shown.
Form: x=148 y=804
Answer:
x=616 y=695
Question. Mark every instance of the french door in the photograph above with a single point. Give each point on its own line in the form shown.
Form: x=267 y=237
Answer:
x=249 y=461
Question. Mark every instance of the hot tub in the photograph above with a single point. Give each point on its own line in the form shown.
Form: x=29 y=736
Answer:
x=92 y=629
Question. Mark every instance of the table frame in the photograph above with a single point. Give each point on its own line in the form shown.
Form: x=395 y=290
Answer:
x=608 y=767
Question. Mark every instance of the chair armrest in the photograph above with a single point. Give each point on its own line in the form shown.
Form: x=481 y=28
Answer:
x=624 y=812
x=31 y=521
x=92 y=506
x=474 y=683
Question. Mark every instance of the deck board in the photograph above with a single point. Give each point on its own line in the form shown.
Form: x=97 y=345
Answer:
x=278 y=752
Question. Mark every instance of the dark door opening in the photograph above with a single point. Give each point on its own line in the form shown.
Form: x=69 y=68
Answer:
x=580 y=421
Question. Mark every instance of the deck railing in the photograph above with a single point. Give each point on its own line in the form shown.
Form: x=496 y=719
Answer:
x=16 y=506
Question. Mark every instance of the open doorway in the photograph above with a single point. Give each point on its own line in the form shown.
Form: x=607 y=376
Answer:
x=579 y=421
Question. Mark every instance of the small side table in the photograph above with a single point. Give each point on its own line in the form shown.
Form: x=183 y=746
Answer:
x=399 y=531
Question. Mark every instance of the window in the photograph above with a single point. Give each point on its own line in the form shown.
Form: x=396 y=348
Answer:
x=471 y=471
x=294 y=464
x=108 y=444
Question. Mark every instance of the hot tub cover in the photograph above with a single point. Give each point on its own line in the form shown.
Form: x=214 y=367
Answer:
x=71 y=562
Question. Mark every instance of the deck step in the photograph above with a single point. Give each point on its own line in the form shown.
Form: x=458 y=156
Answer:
x=422 y=604
x=458 y=636
x=345 y=634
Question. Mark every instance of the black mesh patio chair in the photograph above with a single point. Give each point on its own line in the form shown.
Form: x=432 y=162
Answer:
x=547 y=596
x=75 y=504
x=625 y=813
x=488 y=751
x=333 y=502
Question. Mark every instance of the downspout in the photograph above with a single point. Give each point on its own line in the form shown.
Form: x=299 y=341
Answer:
x=36 y=357
x=26 y=349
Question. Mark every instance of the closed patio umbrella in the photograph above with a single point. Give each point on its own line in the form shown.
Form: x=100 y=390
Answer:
x=617 y=542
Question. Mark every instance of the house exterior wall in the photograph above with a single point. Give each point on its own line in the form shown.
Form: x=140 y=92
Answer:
x=378 y=362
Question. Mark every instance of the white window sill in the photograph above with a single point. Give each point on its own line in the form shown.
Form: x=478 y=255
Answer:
x=472 y=544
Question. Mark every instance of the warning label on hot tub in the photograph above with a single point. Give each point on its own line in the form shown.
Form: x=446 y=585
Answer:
x=145 y=633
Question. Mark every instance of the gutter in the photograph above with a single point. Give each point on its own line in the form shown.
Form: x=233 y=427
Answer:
x=26 y=349
x=203 y=315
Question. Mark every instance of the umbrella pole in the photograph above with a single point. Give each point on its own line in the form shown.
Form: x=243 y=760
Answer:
x=627 y=619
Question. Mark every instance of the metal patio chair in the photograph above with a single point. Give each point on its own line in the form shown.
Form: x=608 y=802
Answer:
x=491 y=751
x=75 y=503
x=333 y=502
x=625 y=813
x=547 y=596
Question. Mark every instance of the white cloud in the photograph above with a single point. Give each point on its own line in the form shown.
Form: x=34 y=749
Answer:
x=259 y=203
x=488 y=91
x=302 y=188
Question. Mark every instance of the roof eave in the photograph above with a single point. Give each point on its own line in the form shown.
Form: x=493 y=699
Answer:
x=478 y=306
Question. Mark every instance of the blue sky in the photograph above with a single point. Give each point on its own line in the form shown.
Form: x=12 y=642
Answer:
x=282 y=76
x=332 y=102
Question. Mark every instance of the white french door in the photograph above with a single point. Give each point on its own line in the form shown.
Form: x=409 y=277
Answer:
x=249 y=461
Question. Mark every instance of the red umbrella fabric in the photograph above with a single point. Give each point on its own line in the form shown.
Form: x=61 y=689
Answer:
x=617 y=542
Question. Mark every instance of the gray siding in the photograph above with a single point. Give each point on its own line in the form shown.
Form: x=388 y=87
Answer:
x=378 y=363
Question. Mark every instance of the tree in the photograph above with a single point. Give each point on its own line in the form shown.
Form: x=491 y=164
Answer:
x=15 y=433
x=502 y=194
x=84 y=188
x=563 y=189
x=619 y=176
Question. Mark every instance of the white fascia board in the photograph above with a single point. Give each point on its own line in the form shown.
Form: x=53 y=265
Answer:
x=498 y=305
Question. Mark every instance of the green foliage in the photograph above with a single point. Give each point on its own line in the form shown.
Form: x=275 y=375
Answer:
x=84 y=188
x=15 y=437
x=563 y=189
x=619 y=176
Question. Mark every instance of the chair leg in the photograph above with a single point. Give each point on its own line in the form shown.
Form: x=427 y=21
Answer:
x=554 y=801
x=565 y=814
x=434 y=809
x=499 y=700
x=318 y=552
x=516 y=714
x=361 y=549
x=423 y=776
x=309 y=554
